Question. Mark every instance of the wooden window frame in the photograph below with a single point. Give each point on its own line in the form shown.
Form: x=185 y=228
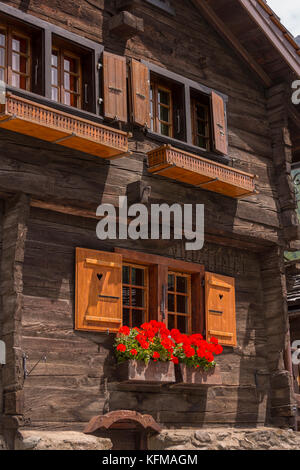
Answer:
x=10 y=30
x=155 y=85
x=187 y=295
x=190 y=87
x=131 y=286
x=207 y=120
x=159 y=268
x=62 y=53
x=50 y=32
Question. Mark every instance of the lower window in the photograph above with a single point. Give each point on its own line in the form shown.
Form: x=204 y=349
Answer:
x=179 y=302
x=135 y=288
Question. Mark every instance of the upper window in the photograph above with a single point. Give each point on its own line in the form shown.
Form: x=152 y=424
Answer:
x=200 y=124
x=66 y=78
x=135 y=294
x=167 y=108
x=161 y=109
x=15 y=62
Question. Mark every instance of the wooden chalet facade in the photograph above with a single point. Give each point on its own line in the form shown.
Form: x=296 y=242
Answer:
x=166 y=102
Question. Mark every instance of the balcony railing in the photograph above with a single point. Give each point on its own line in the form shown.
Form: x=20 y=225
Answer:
x=189 y=168
x=28 y=117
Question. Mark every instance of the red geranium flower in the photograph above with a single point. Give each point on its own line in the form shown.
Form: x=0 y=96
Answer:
x=124 y=330
x=214 y=340
x=133 y=352
x=175 y=360
x=218 y=349
x=156 y=355
x=189 y=351
x=209 y=356
x=121 y=347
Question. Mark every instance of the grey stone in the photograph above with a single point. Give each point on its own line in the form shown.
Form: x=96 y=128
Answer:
x=202 y=436
x=61 y=440
x=233 y=439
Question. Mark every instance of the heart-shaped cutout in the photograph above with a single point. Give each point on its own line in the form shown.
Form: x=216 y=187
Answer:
x=99 y=276
x=221 y=296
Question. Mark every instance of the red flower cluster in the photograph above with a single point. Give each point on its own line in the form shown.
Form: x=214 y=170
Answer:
x=155 y=341
x=195 y=344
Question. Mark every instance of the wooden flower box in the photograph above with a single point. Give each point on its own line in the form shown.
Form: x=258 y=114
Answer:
x=139 y=372
x=189 y=376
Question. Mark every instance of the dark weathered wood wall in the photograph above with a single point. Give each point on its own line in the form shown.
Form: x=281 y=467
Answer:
x=73 y=385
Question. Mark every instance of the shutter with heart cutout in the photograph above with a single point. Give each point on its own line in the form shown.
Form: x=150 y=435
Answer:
x=220 y=308
x=98 y=291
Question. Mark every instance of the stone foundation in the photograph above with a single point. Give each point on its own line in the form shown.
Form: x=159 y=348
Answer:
x=226 y=439
x=64 y=440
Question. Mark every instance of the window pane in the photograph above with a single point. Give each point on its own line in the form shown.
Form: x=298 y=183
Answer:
x=16 y=62
x=16 y=80
x=2 y=57
x=54 y=94
x=70 y=65
x=182 y=304
x=137 y=277
x=126 y=317
x=67 y=81
x=54 y=59
x=138 y=318
x=126 y=274
x=137 y=298
x=54 y=76
x=171 y=282
x=67 y=98
x=181 y=284
x=126 y=296
x=182 y=324
x=171 y=321
x=2 y=39
x=164 y=129
x=164 y=114
x=163 y=97
x=201 y=142
x=2 y=75
x=19 y=44
x=171 y=303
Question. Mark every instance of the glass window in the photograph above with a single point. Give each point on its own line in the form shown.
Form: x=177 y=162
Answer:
x=179 y=302
x=161 y=110
x=135 y=295
x=15 y=58
x=66 y=78
x=200 y=124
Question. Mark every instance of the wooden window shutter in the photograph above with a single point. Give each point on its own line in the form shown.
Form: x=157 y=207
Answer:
x=220 y=308
x=114 y=87
x=98 y=291
x=140 y=87
x=219 y=124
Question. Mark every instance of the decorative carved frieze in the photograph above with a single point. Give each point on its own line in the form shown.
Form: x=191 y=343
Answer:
x=43 y=122
x=190 y=168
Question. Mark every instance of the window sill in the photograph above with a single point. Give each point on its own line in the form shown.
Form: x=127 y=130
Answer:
x=224 y=159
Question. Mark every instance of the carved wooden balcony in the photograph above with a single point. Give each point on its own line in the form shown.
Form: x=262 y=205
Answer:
x=46 y=123
x=189 y=168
